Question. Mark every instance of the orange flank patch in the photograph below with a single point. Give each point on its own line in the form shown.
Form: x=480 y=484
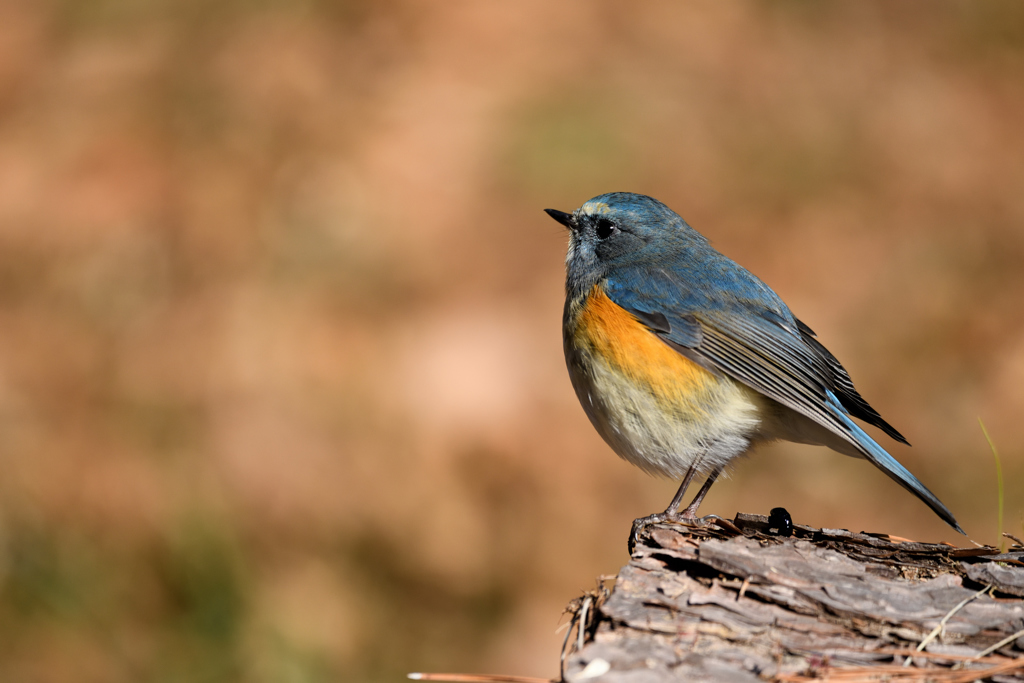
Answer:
x=614 y=335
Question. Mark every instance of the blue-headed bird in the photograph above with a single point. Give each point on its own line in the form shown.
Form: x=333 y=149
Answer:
x=684 y=361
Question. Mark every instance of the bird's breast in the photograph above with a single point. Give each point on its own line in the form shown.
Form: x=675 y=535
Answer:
x=655 y=407
x=608 y=333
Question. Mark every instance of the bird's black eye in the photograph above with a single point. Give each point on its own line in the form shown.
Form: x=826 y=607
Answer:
x=604 y=228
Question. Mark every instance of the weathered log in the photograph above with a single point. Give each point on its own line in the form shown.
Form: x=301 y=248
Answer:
x=750 y=604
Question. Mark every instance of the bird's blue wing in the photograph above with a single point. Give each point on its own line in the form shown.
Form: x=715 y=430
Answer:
x=728 y=320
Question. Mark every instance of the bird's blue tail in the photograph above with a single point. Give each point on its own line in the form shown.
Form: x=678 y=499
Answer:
x=888 y=464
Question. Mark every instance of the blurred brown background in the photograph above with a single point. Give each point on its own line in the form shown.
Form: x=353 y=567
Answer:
x=282 y=395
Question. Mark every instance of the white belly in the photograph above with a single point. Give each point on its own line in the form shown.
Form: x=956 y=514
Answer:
x=667 y=437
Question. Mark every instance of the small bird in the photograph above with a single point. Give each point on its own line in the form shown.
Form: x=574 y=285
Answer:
x=684 y=361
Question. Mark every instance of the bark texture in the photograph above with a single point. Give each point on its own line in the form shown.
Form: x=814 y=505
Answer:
x=749 y=604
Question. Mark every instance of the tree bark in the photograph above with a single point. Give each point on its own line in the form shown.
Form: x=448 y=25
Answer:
x=750 y=604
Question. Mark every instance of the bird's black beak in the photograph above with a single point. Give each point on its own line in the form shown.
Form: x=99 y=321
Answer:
x=562 y=217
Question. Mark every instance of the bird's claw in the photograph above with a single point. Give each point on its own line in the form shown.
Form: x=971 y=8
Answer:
x=639 y=525
x=658 y=518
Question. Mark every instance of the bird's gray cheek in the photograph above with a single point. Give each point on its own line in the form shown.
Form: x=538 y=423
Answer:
x=580 y=254
x=607 y=251
x=621 y=245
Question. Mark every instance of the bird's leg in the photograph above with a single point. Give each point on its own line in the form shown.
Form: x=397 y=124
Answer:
x=670 y=511
x=690 y=513
x=670 y=514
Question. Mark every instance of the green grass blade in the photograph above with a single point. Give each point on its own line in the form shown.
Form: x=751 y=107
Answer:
x=999 y=484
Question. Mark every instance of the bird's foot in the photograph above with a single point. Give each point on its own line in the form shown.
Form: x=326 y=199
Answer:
x=657 y=518
x=639 y=525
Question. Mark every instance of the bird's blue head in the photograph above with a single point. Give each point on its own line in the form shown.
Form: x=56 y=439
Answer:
x=622 y=229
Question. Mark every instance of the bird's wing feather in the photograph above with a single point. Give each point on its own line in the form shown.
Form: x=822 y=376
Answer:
x=750 y=337
x=845 y=392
